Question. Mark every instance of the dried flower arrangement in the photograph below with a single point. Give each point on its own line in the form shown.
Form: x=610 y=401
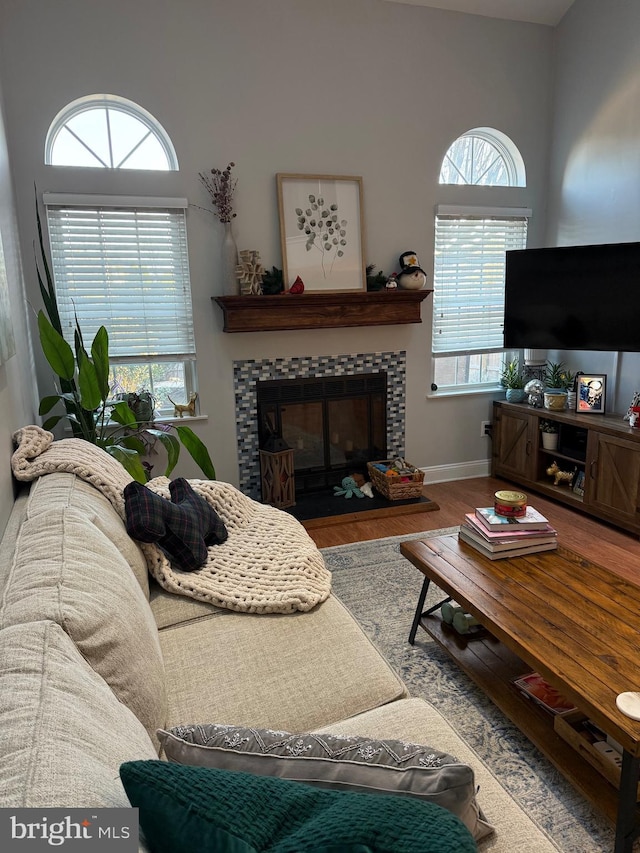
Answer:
x=221 y=186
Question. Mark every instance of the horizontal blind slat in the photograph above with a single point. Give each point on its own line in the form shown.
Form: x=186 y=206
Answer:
x=126 y=269
x=468 y=281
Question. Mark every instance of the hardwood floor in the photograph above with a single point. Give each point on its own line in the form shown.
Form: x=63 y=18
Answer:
x=601 y=543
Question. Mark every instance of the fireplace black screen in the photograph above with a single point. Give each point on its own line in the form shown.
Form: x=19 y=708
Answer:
x=334 y=425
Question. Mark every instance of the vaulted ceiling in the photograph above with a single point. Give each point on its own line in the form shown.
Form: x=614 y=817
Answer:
x=549 y=12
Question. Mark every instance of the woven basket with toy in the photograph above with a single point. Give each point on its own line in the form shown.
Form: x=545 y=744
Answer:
x=396 y=479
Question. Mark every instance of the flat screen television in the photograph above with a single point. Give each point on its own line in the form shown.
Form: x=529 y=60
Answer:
x=573 y=298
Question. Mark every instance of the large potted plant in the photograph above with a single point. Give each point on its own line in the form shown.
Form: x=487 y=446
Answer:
x=89 y=407
x=513 y=380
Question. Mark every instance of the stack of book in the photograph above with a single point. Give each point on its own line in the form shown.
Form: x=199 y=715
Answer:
x=498 y=537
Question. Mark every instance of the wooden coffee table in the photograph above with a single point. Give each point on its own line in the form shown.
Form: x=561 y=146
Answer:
x=555 y=612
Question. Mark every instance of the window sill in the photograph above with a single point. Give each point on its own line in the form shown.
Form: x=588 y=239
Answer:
x=170 y=419
x=467 y=392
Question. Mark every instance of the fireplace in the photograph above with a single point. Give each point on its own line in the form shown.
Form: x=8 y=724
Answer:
x=334 y=425
x=247 y=373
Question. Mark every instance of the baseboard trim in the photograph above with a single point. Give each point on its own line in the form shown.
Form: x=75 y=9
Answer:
x=459 y=471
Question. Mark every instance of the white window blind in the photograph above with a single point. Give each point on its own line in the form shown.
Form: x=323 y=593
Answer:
x=468 y=280
x=125 y=268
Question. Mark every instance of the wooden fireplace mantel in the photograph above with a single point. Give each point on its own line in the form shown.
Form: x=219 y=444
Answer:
x=320 y=310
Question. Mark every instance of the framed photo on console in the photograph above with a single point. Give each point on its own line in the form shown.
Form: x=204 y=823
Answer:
x=322 y=232
x=591 y=395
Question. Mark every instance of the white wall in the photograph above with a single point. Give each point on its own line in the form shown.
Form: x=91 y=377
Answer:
x=595 y=165
x=16 y=397
x=363 y=87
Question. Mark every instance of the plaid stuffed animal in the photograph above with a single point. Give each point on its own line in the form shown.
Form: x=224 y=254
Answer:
x=183 y=527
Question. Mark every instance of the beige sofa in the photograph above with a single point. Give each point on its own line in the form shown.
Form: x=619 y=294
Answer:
x=94 y=659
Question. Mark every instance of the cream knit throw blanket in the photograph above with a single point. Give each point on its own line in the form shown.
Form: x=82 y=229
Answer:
x=269 y=563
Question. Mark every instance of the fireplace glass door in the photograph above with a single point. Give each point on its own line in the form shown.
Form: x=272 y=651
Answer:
x=332 y=435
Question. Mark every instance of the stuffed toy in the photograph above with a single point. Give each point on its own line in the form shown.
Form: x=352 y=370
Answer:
x=184 y=526
x=349 y=489
x=364 y=485
x=367 y=489
x=411 y=275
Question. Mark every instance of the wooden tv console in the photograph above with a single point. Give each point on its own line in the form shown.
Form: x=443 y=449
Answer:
x=603 y=447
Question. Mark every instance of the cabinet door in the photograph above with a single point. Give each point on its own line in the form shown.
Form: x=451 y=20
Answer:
x=613 y=476
x=513 y=451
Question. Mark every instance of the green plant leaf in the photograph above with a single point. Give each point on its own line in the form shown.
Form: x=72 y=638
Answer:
x=122 y=414
x=132 y=442
x=130 y=460
x=90 y=396
x=197 y=451
x=47 y=290
x=47 y=403
x=171 y=445
x=56 y=350
x=100 y=357
x=51 y=422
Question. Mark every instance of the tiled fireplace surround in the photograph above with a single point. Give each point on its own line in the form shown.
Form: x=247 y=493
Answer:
x=248 y=372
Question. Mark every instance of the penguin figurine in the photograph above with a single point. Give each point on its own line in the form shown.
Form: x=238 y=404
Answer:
x=411 y=275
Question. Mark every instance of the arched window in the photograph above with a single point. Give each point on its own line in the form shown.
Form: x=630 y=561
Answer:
x=471 y=242
x=483 y=157
x=122 y=261
x=108 y=132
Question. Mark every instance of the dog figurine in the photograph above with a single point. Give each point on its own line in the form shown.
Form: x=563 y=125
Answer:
x=559 y=476
x=189 y=408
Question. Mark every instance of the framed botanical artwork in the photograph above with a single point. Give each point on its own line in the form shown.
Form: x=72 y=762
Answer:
x=591 y=394
x=322 y=231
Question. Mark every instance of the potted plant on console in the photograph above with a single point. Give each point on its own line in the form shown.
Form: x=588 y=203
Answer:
x=555 y=394
x=549 y=431
x=513 y=380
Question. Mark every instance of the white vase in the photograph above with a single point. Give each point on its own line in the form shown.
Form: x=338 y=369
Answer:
x=550 y=440
x=571 y=400
x=229 y=262
x=535 y=356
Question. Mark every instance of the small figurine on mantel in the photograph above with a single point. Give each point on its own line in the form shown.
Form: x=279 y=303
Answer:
x=411 y=275
x=297 y=286
x=250 y=272
x=392 y=282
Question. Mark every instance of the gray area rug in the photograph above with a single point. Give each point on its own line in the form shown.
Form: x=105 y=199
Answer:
x=381 y=589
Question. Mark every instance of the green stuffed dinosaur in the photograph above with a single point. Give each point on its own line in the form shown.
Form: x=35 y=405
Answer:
x=349 y=488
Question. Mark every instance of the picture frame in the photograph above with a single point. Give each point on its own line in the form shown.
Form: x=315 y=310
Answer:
x=591 y=393
x=329 y=259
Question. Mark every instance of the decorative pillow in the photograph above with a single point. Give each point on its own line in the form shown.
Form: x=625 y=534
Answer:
x=183 y=809
x=184 y=526
x=334 y=761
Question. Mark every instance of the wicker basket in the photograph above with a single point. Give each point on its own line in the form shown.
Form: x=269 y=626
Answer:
x=396 y=488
